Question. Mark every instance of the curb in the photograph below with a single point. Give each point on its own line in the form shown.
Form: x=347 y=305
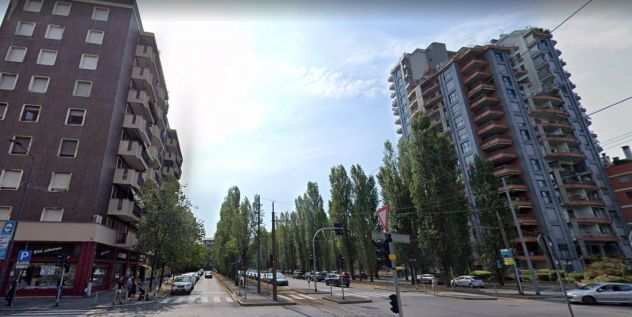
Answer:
x=241 y=302
x=353 y=300
x=478 y=298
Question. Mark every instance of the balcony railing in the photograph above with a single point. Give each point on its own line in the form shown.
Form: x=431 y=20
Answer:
x=485 y=100
x=506 y=170
x=125 y=209
x=496 y=143
x=492 y=128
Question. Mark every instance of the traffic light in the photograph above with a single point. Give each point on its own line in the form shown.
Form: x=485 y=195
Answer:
x=394 y=304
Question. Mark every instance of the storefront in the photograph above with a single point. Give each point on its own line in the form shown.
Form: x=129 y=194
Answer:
x=91 y=265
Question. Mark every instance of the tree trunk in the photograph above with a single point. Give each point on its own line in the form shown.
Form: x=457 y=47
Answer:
x=162 y=274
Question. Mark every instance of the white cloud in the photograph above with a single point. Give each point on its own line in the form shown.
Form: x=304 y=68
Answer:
x=324 y=82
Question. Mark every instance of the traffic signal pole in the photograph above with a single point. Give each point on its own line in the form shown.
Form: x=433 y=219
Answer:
x=391 y=256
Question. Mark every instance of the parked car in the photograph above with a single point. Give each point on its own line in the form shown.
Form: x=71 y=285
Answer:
x=467 y=281
x=307 y=276
x=338 y=280
x=281 y=280
x=321 y=276
x=425 y=278
x=298 y=274
x=208 y=274
x=182 y=284
x=597 y=293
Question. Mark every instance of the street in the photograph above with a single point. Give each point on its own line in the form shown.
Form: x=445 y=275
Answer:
x=209 y=298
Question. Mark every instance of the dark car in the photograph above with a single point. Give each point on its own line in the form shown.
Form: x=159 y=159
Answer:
x=321 y=276
x=208 y=274
x=298 y=275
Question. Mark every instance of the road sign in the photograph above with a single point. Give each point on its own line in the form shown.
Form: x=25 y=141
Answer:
x=508 y=261
x=392 y=257
x=506 y=253
x=6 y=235
x=24 y=259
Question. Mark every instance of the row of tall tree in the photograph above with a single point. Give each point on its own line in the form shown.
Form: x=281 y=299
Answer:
x=421 y=183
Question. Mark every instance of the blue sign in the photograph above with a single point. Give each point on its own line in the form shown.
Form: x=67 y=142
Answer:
x=6 y=235
x=24 y=256
x=506 y=253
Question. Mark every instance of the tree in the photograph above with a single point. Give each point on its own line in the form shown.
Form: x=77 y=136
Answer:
x=168 y=231
x=226 y=251
x=437 y=193
x=364 y=203
x=340 y=211
x=494 y=216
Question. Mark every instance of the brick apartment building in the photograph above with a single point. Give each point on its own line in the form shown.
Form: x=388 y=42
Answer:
x=620 y=174
x=83 y=107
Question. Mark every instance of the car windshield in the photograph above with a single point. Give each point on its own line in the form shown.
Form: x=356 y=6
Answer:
x=589 y=286
x=181 y=279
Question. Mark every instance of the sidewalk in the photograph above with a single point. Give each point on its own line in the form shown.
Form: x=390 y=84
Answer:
x=249 y=296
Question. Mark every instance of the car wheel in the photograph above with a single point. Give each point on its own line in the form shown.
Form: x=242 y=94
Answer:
x=589 y=300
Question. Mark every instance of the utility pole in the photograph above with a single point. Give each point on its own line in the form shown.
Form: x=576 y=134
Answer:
x=501 y=226
x=534 y=277
x=391 y=256
x=258 y=246
x=274 y=275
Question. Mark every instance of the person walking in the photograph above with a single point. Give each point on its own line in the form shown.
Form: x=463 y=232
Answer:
x=131 y=287
x=119 y=291
x=11 y=293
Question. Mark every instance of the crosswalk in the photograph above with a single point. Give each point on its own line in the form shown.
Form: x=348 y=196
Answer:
x=53 y=313
x=196 y=299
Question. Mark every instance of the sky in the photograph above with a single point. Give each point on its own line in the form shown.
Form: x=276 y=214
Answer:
x=270 y=95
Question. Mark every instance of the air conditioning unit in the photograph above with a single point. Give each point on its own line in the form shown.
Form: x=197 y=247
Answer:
x=97 y=219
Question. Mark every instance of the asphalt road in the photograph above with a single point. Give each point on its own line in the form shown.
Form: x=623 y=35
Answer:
x=210 y=299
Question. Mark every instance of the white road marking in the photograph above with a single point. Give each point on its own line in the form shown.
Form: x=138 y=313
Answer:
x=217 y=299
x=204 y=299
x=307 y=297
x=296 y=297
x=228 y=299
x=284 y=297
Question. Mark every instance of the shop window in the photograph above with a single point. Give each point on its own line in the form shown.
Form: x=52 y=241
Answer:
x=45 y=276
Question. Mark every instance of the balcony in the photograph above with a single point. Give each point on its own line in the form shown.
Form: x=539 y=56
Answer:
x=156 y=138
x=146 y=52
x=496 y=143
x=484 y=101
x=597 y=237
x=154 y=157
x=139 y=101
x=128 y=177
x=430 y=89
x=477 y=76
x=414 y=106
x=432 y=100
x=556 y=125
x=172 y=143
x=502 y=157
x=544 y=98
x=391 y=86
x=493 y=127
x=520 y=72
x=481 y=88
x=579 y=201
x=514 y=188
x=488 y=114
x=592 y=220
x=136 y=126
x=133 y=154
x=125 y=209
x=564 y=156
x=474 y=64
x=171 y=171
x=549 y=113
x=506 y=170
x=561 y=138
x=576 y=185
x=528 y=237
x=143 y=77
x=399 y=131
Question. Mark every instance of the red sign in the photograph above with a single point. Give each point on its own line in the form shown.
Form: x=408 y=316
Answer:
x=382 y=217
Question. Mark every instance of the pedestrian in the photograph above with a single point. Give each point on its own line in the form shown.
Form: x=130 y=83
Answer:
x=11 y=293
x=131 y=287
x=140 y=289
x=434 y=285
x=119 y=292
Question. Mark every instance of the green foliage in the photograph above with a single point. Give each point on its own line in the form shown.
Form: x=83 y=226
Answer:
x=340 y=211
x=168 y=230
x=607 y=270
x=229 y=247
x=482 y=274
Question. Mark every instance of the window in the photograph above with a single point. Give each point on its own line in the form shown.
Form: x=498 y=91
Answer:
x=8 y=81
x=535 y=164
x=39 y=84
x=15 y=54
x=59 y=182
x=75 y=117
x=507 y=80
x=62 y=8
x=512 y=93
x=541 y=183
x=30 y=113
x=89 y=61
x=460 y=122
x=10 y=179
x=3 y=110
x=47 y=57
x=525 y=135
x=466 y=146
x=33 y=5
x=100 y=14
x=25 y=28
x=68 y=148
x=20 y=145
x=628 y=194
x=452 y=98
x=52 y=214
x=54 y=32
x=5 y=213
x=546 y=196
x=83 y=88
x=462 y=133
x=499 y=56
x=95 y=37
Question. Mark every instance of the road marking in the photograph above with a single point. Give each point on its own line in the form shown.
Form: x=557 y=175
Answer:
x=296 y=297
x=284 y=297
x=228 y=299
x=217 y=299
x=307 y=297
x=204 y=299
x=182 y=300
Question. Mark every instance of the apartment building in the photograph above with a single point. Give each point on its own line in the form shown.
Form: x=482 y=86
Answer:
x=620 y=175
x=83 y=112
x=512 y=103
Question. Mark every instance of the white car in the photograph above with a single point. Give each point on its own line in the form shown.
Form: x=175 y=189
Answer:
x=182 y=284
x=425 y=278
x=594 y=293
x=467 y=281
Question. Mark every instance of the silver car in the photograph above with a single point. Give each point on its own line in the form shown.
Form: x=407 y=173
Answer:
x=467 y=281
x=593 y=293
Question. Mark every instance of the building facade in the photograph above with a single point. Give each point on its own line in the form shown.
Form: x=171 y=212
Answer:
x=620 y=175
x=83 y=107
x=511 y=103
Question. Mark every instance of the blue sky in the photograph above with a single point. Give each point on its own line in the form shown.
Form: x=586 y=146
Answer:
x=268 y=98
